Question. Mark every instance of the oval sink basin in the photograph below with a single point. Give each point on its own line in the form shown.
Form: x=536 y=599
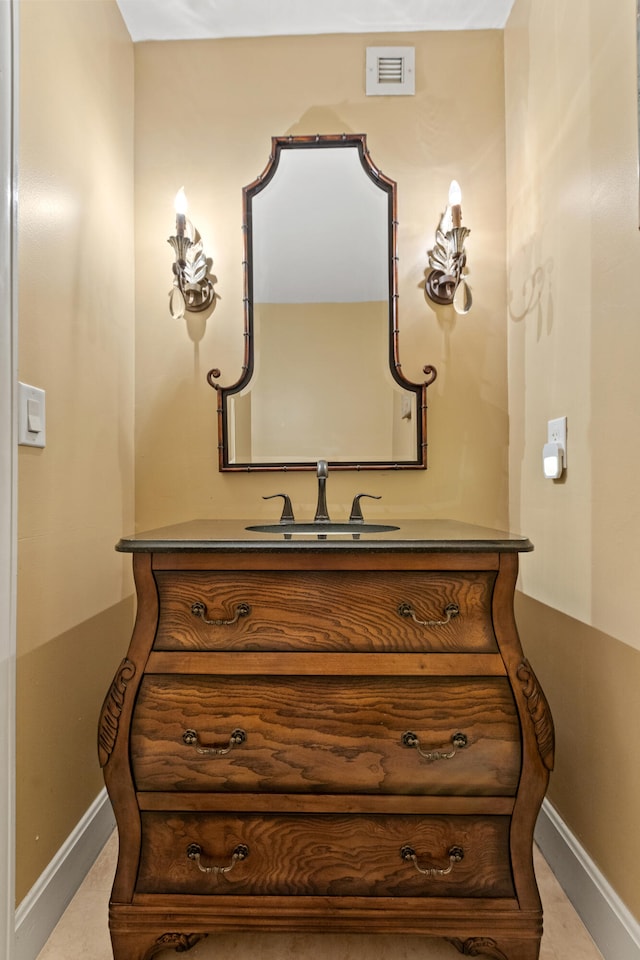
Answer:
x=322 y=529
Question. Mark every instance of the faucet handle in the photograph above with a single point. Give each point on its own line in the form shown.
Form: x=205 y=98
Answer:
x=356 y=509
x=287 y=510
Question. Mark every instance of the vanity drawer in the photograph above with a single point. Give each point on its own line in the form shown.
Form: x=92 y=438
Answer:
x=324 y=855
x=321 y=734
x=326 y=611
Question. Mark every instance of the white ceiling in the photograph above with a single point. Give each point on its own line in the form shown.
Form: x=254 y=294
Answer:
x=205 y=19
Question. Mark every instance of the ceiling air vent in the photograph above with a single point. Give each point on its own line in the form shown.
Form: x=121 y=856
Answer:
x=391 y=71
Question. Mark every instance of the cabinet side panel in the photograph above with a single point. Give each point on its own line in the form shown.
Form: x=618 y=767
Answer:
x=114 y=726
x=537 y=735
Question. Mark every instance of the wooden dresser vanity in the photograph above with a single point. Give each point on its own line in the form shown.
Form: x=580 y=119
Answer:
x=325 y=733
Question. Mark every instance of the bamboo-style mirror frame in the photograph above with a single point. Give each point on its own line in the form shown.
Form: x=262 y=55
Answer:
x=279 y=144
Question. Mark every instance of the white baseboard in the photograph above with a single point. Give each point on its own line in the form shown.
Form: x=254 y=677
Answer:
x=613 y=928
x=47 y=900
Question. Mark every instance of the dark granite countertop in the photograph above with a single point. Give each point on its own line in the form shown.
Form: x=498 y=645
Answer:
x=410 y=535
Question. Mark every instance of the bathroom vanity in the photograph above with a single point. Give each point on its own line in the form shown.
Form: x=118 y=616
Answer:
x=325 y=731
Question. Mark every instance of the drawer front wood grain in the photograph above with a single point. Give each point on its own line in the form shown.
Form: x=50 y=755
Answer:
x=326 y=855
x=325 y=611
x=323 y=734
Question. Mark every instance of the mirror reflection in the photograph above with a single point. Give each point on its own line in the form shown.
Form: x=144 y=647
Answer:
x=321 y=378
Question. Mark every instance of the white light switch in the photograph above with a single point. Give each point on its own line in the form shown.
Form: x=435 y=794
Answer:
x=34 y=415
x=31 y=416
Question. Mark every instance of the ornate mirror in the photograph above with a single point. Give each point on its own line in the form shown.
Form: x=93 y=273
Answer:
x=321 y=377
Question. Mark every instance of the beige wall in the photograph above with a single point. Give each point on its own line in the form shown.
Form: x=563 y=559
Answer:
x=574 y=285
x=205 y=115
x=76 y=341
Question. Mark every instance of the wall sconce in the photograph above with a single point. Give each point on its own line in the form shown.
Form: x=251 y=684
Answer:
x=447 y=260
x=192 y=289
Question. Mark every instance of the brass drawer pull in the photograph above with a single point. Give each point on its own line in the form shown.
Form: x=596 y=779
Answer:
x=199 y=609
x=191 y=738
x=451 y=610
x=459 y=741
x=194 y=852
x=456 y=854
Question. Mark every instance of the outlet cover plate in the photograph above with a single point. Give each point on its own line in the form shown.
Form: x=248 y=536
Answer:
x=557 y=433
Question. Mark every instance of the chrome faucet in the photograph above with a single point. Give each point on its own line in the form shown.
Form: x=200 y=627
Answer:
x=322 y=514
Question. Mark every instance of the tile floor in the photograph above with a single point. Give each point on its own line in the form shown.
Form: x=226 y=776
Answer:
x=82 y=933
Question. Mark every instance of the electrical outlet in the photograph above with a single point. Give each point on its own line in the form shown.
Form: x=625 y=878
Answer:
x=557 y=433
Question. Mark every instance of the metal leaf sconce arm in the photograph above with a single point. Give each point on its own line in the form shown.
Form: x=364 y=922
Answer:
x=446 y=283
x=192 y=289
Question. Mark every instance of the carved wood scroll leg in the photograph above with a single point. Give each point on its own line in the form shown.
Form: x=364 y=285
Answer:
x=135 y=946
x=478 y=947
x=180 y=942
x=502 y=949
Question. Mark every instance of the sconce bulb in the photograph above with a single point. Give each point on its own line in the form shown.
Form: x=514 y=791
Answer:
x=180 y=202
x=455 y=199
x=455 y=194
